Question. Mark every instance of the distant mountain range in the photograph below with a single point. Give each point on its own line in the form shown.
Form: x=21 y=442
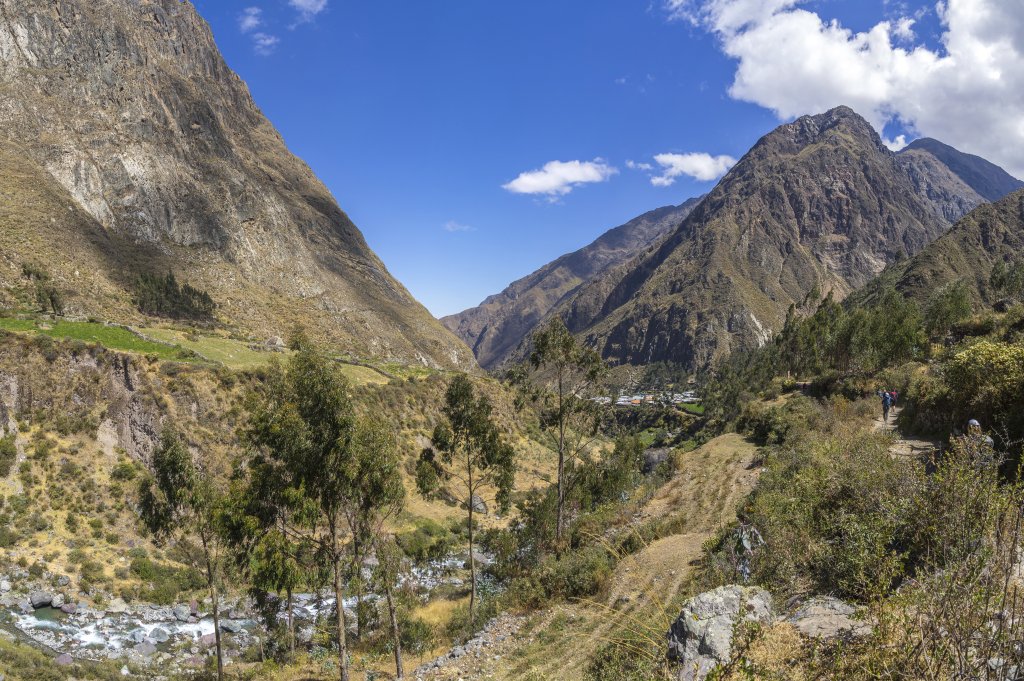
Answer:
x=128 y=146
x=496 y=327
x=820 y=203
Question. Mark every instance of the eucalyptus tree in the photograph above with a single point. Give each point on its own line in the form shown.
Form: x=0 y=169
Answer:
x=390 y=561
x=179 y=501
x=468 y=455
x=304 y=464
x=378 y=494
x=560 y=378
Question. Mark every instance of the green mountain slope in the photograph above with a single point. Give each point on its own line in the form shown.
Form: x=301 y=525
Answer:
x=989 y=234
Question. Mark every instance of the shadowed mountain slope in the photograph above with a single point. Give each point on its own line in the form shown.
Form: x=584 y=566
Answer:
x=162 y=155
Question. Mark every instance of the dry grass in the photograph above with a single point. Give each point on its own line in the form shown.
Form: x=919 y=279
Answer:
x=647 y=587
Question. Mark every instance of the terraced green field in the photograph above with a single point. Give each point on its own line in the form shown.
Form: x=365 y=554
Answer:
x=112 y=337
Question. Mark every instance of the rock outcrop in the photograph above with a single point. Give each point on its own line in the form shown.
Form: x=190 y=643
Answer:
x=701 y=637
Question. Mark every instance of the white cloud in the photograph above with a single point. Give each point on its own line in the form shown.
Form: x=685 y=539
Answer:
x=634 y=165
x=969 y=92
x=250 y=19
x=308 y=9
x=453 y=226
x=558 y=178
x=895 y=144
x=904 y=29
x=264 y=43
x=698 y=165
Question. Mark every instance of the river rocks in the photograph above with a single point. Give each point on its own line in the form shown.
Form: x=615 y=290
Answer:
x=69 y=608
x=63 y=580
x=182 y=613
x=57 y=602
x=146 y=649
x=160 y=635
x=5 y=586
x=63 y=660
x=825 y=617
x=40 y=599
x=137 y=635
x=117 y=607
x=701 y=637
x=208 y=640
x=231 y=626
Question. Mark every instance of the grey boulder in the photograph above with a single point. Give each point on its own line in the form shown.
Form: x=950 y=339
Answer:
x=40 y=599
x=825 y=617
x=701 y=637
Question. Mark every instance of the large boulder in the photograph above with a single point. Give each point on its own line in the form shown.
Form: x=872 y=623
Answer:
x=825 y=617
x=40 y=599
x=701 y=637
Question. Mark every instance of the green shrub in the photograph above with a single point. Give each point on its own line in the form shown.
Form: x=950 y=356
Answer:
x=164 y=297
x=8 y=454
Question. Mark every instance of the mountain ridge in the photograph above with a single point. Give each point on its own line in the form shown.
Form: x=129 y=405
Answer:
x=502 y=321
x=819 y=203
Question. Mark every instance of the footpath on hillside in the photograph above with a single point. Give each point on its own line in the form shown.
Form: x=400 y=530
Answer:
x=558 y=642
x=904 y=445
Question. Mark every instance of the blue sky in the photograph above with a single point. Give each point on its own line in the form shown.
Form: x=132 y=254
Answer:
x=420 y=116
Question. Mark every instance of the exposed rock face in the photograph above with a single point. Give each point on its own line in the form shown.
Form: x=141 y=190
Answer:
x=127 y=144
x=817 y=203
x=701 y=637
x=496 y=327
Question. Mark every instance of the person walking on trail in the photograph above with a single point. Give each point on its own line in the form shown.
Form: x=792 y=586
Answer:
x=886 y=405
x=974 y=430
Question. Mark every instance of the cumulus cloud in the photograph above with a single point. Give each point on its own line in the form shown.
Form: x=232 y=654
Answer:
x=308 y=9
x=264 y=43
x=250 y=19
x=249 y=23
x=558 y=178
x=698 y=165
x=969 y=92
x=635 y=165
x=453 y=226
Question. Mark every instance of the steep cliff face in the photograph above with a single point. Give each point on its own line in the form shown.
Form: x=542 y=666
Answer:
x=129 y=108
x=819 y=202
x=499 y=325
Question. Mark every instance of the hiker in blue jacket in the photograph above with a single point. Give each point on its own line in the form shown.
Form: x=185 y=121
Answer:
x=886 y=404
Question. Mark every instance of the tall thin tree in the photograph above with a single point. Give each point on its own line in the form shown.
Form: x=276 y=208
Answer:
x=303 y=430
x=178 y=501
x=377 y=494
x=468 y=455
x=560 y=379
